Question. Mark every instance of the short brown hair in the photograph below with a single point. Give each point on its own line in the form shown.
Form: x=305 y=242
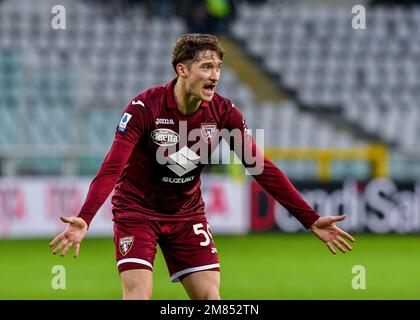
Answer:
x=190 y=45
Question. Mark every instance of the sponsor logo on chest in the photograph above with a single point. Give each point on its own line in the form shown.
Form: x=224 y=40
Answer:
x=178 y=180
x=165 y=137
x=184 y=159
x=164 y=121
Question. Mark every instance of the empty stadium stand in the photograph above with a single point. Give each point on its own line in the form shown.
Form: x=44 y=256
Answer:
x=368 y=77
x=66 y=89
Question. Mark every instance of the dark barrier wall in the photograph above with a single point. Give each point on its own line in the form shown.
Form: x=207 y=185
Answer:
x=395 y=2
x=378 y=206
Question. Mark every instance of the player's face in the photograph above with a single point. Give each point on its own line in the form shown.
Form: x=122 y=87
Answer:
x=203 y=76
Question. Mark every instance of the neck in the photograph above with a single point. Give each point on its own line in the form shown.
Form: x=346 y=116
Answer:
x=187 y=104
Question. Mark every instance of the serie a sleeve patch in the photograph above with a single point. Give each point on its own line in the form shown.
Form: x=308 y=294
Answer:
x=123 y=122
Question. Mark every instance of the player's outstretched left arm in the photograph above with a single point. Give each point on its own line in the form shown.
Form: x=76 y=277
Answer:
x=326 y=230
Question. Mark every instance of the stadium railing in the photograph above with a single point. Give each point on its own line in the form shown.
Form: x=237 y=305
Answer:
x=377 y=155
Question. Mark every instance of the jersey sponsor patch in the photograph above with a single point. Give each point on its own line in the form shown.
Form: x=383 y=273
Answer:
x=165 y=137
x=126 y=244
x=124 y=120
x=184 y=159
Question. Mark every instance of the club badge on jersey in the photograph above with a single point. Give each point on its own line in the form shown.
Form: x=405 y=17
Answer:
x=125 y=244
x=208 y=131
x=123 y=122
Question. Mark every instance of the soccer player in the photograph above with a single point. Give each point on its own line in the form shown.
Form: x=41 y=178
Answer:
x=161 y=144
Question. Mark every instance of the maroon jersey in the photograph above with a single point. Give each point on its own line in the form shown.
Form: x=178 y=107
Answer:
x=158 y=154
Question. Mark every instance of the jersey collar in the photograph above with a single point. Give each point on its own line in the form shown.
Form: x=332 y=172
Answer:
x=170 y=96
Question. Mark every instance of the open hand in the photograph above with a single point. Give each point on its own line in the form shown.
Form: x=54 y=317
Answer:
x=326 y=230
x=74 y=234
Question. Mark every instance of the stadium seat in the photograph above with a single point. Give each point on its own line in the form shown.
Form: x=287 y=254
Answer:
x=317 y=54
x=79 y=80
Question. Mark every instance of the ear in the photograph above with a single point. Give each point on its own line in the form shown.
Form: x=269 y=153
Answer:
x=182 y=70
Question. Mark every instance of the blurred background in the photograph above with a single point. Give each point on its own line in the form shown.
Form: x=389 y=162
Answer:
x=333 y=83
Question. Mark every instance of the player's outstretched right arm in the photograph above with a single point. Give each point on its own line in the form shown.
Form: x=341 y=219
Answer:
x=74 y=234
x=129 y=131
x=127 y=135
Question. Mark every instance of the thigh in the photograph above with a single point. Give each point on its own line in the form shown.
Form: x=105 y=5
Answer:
x=137 y=284
x=188 y=247
x=135 y=244
x=202 y=285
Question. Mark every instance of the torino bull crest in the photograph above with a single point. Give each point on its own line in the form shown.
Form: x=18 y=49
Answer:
x=208 y=132
x=125 y=244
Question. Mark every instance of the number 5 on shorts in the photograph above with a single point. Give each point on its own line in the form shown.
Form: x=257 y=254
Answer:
x=207 y=235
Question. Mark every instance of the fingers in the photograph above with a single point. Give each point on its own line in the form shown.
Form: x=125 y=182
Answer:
x=346 y=235
x=338 y=245
x=330 y=247
x=56 y=239
x=65 y=219
x=60 y=246
x=66 y=248
x=76 y=250
x=61 y=235
x=64 y=243
x=344 y=243
x=343 y=233
x=339 y=218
